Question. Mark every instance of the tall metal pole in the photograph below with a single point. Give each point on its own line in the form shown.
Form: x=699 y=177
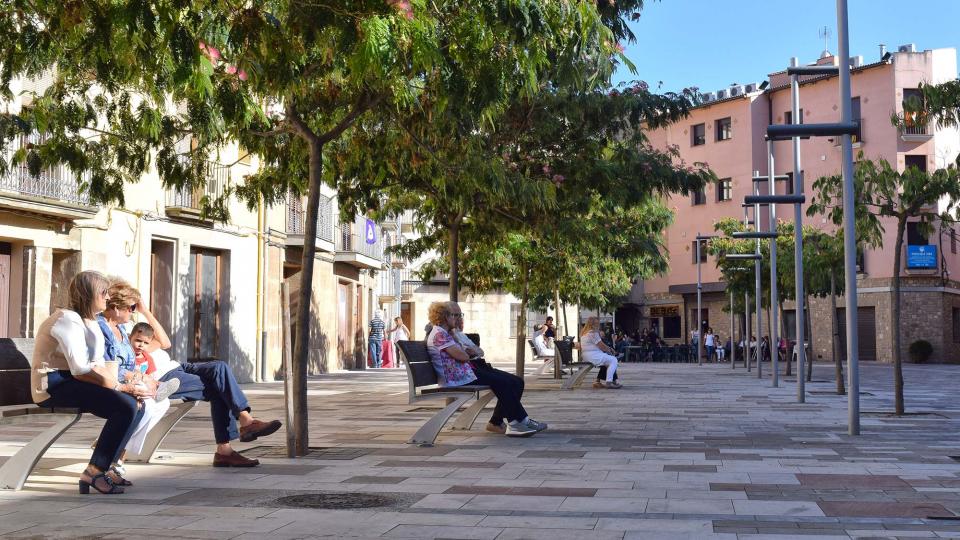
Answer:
x=849 y=231
x=699 y=316
x=733 y=344
x=746 y=331
x=757 y=277
x=798 y=242
x=746 y=306
x=774 y=297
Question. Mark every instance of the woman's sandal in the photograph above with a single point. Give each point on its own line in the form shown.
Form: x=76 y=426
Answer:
x=85 y=486
x=117 y=478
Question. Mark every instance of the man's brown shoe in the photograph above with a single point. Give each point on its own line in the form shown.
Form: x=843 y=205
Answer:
x=493 y=428
x=233 y=460
x=258 y=428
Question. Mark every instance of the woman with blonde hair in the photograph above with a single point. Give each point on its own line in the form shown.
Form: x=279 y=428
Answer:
x=598 y=353
x=122 y=302
x=68 y=370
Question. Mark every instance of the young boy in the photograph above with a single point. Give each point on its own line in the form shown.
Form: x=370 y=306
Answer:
x=140 y=339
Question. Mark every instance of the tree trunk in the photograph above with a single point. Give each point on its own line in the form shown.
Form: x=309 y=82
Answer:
x=453 y=255
x=835 y=340
x=895 y=319
x=301 y=355
x=522 y=324
x=809 y=329
x=556 y=307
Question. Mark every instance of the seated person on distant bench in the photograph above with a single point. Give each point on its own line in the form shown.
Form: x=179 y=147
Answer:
x=598 y=353
x=540 y=342
x=453 y=367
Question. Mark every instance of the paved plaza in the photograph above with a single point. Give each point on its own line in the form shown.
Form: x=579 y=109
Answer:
x=680 y=452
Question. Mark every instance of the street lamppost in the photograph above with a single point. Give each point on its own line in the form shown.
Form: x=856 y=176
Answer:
x=699 y=302
x=845 y=129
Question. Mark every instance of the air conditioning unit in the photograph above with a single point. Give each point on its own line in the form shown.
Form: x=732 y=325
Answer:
x=909 y=47
x=721 y=94
x=709 y=96
x=856 y=61
x=736 y=90
x=751 y=88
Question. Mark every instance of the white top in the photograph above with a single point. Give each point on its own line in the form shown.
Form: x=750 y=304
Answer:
x=710 y=340
x=590 y=343
x=81 y=342
x=399 y=334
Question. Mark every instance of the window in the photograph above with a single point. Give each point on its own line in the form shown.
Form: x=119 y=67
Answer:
x=788 y=117
x=724 y=129
x=533 y=317
x=861 y=260
x=915 y=160
x=698 y=135
x=788 y=188
x=698 y=197
x=953 y=241
x=855 y=116
x=703 y=252
x=914 y=236
x=956 y=325
x=724 y=189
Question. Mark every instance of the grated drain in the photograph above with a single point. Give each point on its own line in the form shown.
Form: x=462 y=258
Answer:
x=335 y=501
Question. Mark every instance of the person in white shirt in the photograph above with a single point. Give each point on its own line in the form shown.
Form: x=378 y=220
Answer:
x=68 y=371
x=398 y=332
x=710 y=342
x=540 y=343
x=598 y=353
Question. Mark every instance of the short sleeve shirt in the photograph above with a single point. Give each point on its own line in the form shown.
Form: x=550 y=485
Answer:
x=450 y=371
x=376 y=330
x=589 y=343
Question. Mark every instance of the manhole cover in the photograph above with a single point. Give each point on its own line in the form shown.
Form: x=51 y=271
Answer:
x=335 y=501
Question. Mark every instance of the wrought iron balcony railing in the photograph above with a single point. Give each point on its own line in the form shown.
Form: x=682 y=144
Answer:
x=217 y=180
x=297 y=217
x=56 y=183
x=352 y=238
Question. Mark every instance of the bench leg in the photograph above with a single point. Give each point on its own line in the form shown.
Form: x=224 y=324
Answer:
x=577 y=377
x=14 y=473
x=160 y=431
x=427 y=434
x=469 y=415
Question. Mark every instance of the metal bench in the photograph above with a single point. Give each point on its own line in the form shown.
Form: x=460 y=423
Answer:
x=17 y=407
x=579 y=370
x=546 y=359
x=424 y=386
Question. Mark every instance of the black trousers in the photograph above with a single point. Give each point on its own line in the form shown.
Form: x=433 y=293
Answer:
x=602 y=374
x=507 y=387
x=121 y=411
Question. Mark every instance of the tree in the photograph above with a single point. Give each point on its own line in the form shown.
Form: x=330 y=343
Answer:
x=146 y=84
x=884 y=193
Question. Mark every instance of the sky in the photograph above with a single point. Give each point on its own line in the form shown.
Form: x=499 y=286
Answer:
x=712 y=44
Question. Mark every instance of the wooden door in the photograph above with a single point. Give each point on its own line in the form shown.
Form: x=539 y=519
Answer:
x=204 y=279
x=406 y=314
x=5 y=269
x=866 y=332
x=344 y=331
x=162 y=282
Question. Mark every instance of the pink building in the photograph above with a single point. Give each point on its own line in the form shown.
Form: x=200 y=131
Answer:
x=727 y=132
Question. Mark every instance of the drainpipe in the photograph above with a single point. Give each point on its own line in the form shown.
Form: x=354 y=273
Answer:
x=259 y=368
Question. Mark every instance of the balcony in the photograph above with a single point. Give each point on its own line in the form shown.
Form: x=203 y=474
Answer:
x=406 y=222
x=297 y=219
x=359 y=246
x=916 y=133
x=55 y=191
x=187 y=202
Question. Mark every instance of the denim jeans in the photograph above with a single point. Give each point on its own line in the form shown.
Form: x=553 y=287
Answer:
x=375 y=352
x=120 y=410
x=214 y=382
